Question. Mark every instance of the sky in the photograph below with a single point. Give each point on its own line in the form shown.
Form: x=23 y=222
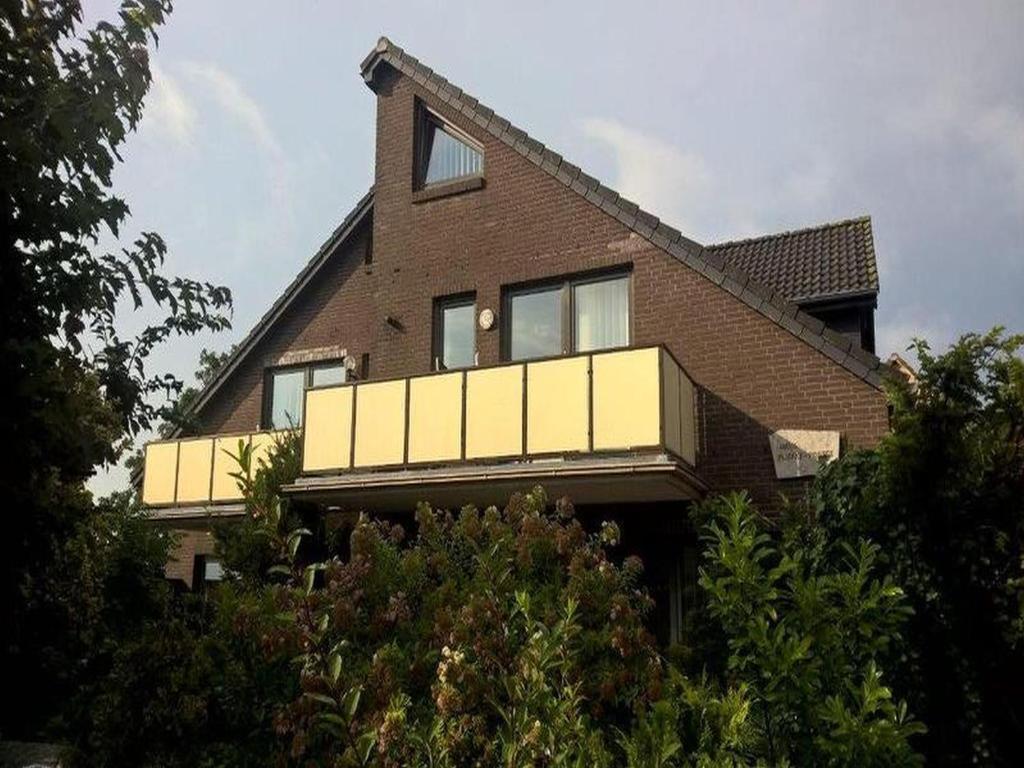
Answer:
x=726 y=119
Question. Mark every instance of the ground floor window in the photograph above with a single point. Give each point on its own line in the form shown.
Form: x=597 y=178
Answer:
x=682 y=591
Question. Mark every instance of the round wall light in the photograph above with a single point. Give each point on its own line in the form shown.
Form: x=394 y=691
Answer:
x=486 y=319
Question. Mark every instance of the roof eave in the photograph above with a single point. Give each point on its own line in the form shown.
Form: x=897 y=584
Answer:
x=846 y=297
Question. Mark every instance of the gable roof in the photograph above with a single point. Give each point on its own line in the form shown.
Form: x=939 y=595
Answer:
x=808 y=265
x=773 y=304
x=766 y=273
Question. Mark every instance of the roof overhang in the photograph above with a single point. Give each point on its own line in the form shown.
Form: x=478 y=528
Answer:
x=838 y=300
x=617 y=479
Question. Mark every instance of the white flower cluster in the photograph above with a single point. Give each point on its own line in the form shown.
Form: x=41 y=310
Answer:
x=448 y=658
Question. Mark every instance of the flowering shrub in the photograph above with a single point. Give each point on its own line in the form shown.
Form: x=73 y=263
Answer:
x=514 y=637
x=511 y=637
x=497 y=636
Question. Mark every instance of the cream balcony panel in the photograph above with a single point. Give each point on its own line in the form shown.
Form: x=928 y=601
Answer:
x=225 y=449
x=380 y=424
x=494 y=412
x=627 y=405
x=263 y=444
x=194 y=470
x=327 y=441
x=671 y=376
x=161 y=474
x=435 y=418
x=557 y=406
x=688 y=419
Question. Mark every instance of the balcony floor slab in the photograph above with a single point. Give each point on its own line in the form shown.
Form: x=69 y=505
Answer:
x=586 y=480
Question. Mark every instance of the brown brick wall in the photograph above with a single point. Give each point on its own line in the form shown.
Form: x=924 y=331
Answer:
x=524 y=225
x=191 y=542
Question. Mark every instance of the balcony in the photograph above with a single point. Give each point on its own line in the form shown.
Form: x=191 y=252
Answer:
x=603 y=427
x=196 y=472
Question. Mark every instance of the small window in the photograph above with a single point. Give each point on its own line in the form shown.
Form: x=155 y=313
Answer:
x=213 y=570
x=286 y=387
x=325 y=375
x=455 y=333
x=573 y=315
x=444 y=153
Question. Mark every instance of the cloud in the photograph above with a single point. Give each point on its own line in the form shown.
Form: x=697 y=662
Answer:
x=656 y=175
x=914 y=323
x=810 y=186
x=168 y=113
x=229 y=95
x=999 y=131
x=712 y=202
x=956 y=114
x=232 y=99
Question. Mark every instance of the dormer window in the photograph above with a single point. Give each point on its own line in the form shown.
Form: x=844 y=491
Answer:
x=444 y=153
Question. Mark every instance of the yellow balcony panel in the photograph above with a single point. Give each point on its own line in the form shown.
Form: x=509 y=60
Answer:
x=327 y=441
x=435 y=418
x=627 y=406
x=263 y=444
x=494 y=412
x=225 y=449
x=688 y=419
x=557 y=406
x=671 y=375
x=380 y=424
x=194 y=470
x=160 y=478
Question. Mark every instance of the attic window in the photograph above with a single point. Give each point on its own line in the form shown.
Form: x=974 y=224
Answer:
x=444 y=154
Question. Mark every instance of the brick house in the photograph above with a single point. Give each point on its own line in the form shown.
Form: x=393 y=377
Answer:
x=489 y=317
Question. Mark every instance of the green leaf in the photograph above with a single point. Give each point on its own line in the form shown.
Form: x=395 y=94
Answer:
x=334 y=666
x=322 y=698
x=350 y=701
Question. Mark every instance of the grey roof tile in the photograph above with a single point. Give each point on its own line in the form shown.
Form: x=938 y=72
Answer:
x=826 y=261
x=669 y=233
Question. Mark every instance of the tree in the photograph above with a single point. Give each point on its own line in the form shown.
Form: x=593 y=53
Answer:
x=74 y=390
x=178 y=412
x=943 y=495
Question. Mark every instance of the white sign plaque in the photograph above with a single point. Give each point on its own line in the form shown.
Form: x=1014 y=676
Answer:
x=799 y=452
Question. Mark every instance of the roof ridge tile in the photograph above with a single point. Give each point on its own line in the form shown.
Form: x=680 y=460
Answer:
x=824 y=226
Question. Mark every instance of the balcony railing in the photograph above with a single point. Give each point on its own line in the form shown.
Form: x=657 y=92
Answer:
x=197 y=471
x=621 y=401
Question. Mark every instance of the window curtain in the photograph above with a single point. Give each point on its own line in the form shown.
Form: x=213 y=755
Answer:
x=449 y=158
x=286 y=403
x=602 y=314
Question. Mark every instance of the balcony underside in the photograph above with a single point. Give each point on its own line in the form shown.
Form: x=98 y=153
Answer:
x=586 y=480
